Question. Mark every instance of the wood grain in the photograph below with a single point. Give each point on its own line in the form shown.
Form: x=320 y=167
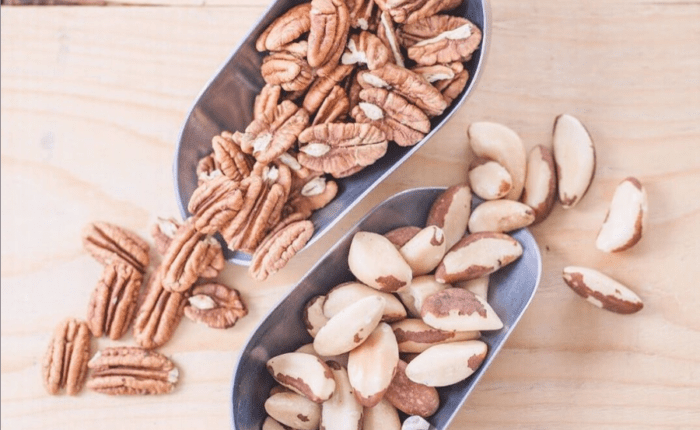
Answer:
x=92 y=102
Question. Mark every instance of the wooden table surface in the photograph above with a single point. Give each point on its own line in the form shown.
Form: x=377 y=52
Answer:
x=92 y=102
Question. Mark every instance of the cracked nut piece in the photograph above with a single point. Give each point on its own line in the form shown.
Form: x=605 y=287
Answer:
x=415 y=336
x=477 y=255
x=366 y=48
x=601 y=290
x=421 y=287
x=626 y=218
x=447 y=364
x=574 y=155
x=330 y=23
x=304 y=374
x=457 y=309
x=410 y=85
x=162 y=232
x=408 y=11
x=269 y=137
x=399 y=236
x=500 y=216
x=411 y=397
x=489 y=180
x=440 y=39
x=109 y=243
x=315 y=194
x=285 y=29
x=159 y=314
x=207 y=169
x=335 y=148
x=400 y=121
x=294 y=411
x=314 y=318
x=65 y=362
x=215 y=203
x=342 y=411
x=276 y=249
x=215 y=305
x=452 y=88
x=113 y=302
x=131 y=370
x=376 y=262
x=350 y=327
x=334 y=108
x=288 y=70
x=232 y=161
x=386 y=31
x=372 y=365
x=540 y=189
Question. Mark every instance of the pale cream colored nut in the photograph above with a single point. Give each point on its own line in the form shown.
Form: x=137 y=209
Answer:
x=65 y=361
x=425 y=250
x=308 y=348
x=500 y=216
x=350 y=327
x=330 y=23
x=371 y=366
x=414 y=422
x=386 y=31
x=415 y=336
x=410 y=397
x=540 y=190
x=574 y=155
x=450 y=211
x=440 y=39
x=277 y=249
x=490 y=180
x=407 y=11
x=447 y=363
x=601 y=290
x=399 y=236
x=345 y=294
x=305 y=374
x=626 y=218
x=342 y=411
x=497 y=142
x=477 y=255
x=314 y=318
x=285 y=29
x=376 y=262
x=413 y=295
x=460 y=310
x=478 y=286
x=365 y=48
x=382 y=416
x=294 y=410
x=272 y=424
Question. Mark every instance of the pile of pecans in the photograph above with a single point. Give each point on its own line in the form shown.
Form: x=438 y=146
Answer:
x=118 y=301
x=343 y=79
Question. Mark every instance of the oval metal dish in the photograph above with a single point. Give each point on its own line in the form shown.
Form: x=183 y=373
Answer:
x=282 y=330
x=226 y=103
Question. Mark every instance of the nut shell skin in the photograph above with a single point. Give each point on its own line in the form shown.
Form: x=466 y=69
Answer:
x=303 y=373
x=388 y=273
x=626 y=218
x=601 y=290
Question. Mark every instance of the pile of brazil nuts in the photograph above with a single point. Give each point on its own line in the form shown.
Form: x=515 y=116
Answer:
x=407 y=325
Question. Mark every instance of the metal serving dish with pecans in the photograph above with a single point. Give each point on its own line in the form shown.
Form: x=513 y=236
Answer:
x=407 y=115
x=283 y=329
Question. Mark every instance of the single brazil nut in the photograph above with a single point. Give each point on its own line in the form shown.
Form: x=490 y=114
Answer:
x=447 y=364
x=411 y=397
x=425 y=250
x=490 y=180
x=347 y=293
x=376 y=262
x=478 y=286
x=382 y=416
x=477 y=255
x=294 y=410
x=500 y=216
x=414 y=294
x=626 y=218
x=272 y=424
x=305 y=374
x=459 y=309
x=371 y=366
x=497 y=142
x=342 y=411
x=574 y=155
x=399 y=236
x=601 y=290
x=540 y=190
x=414 y=335
x=450 y=211
x=350 y=327
x=314 y=317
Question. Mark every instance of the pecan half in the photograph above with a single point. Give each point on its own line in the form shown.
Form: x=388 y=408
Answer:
x=322 y=86
x=285 y=29
x=407 y=11
x=159 y=314
x=65 y=362
x=401 y=121
x=131 y=370
x=230 y=158
x=387 y=34
x=215 y=305
x=215 y=203
x=452 y=88
x=330 y=23
x=438 y=72
x=410 y=85
x=267 y=101
x=314 y=195
x=440 y=39
x=113 y=301
x=288 y=70
x=276 y=250
x=268 y=138
x=207 y=168
x=339 y=147
x=361 y=13
x=366 y=48
x=163 y=232
x=108 y=243
x=334 y=108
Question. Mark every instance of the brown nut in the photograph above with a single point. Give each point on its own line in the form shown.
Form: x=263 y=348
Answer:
x=350 y=326
x=376 y=262
x=294 y=410
x=626 y=218
x=371 y=366
x=408 y=11
x=601 y=290
x=285 y=29
x=342 y=411
x=413 y=295
x=458 y=309
x=322 y=86
x=366 y=48
x=347 y=293
x=386 y=31
x=215 y=305
x=489 y=180
x=113 y=302
x=452 y=88
x=214 y=204
x=314 y=318
x=269 y=137
x=276 y=249
x=334 y=108
x=207 y=169
x=574 y=155
x=231 y=159
x=440 y=39
x=308 y=348
x=540 y=190
x=162 y=232
x=399 y=236
x=410 y=397
x=65 y=362
x=303 y=373
x=447 y=364
x=477 y=255
x=288 y=70
x=450 y=211
x=500 y=216
x=330 y=23
x=382 y=416
x=131 y=370
x=425 y=250
x=109 y=243
x=266 y=102
x=314 y=195
x=415 y=336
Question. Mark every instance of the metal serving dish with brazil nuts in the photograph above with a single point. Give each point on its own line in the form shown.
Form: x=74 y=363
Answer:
x=282 y=330
x=226 y=103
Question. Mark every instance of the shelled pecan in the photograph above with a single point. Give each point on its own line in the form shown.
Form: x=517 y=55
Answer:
x=230 y=158
x=440 y=39
x=215 y=305
x=285 y=29
x=163 y=231
x=159 y=314
x=131 y=370
x=113 y=301
x=108 y=243
x=65 y=362
x=278 y=248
